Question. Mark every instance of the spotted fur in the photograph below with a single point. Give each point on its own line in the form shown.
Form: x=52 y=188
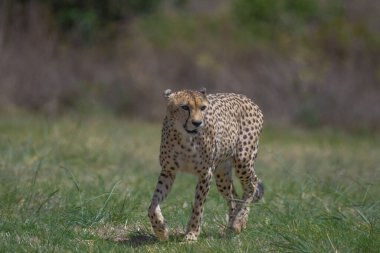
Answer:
x=208 y=135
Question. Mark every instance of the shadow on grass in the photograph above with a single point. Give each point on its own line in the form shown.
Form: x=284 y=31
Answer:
x=135 y=239
x=133 y=236
x=136 y=236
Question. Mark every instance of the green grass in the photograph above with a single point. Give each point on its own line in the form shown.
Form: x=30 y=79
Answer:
x=84 y=185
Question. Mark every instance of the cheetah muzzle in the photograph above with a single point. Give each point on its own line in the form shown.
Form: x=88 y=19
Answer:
x=194 y=131
x=210 y=136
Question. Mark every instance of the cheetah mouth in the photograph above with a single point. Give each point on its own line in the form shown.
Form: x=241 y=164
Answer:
x=195 y=131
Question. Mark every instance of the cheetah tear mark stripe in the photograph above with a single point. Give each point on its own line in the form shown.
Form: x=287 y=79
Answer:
x=184 y=126
x=194 y=131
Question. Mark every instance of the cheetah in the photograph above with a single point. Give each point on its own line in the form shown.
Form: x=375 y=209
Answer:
x=208 y=135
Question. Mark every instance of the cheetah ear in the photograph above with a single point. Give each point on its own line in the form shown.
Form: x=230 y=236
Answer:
x=167 y=93
x=203 y=91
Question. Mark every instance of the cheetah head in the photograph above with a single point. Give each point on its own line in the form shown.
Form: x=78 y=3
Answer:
x=187 y=109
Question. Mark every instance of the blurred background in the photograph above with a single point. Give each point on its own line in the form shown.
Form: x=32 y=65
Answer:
x=307 y=62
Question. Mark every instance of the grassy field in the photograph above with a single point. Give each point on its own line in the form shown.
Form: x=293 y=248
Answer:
x=84 y=185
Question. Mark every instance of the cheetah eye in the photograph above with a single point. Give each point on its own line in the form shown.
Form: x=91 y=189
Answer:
x=185 y=107
x=203 y=108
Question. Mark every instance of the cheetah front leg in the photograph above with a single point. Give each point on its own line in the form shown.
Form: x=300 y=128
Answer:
x=202 y=189
x=164 y=184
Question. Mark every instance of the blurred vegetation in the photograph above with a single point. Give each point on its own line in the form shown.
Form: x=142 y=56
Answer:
x=268 y=17
x=84 y=20
x=302 y=61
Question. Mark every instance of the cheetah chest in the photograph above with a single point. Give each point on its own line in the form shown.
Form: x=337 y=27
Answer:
x=193 y=156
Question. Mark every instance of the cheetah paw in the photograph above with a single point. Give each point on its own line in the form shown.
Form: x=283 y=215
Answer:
x=238 y=224
x=191 y=237
x=162 y=235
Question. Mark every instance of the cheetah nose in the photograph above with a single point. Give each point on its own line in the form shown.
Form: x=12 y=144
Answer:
x=196 y=123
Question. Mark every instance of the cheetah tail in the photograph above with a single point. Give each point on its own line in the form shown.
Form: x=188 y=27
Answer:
x=259 y=191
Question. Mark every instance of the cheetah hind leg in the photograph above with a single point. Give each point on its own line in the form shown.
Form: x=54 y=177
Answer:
x=224 y=182
x=240 y=215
